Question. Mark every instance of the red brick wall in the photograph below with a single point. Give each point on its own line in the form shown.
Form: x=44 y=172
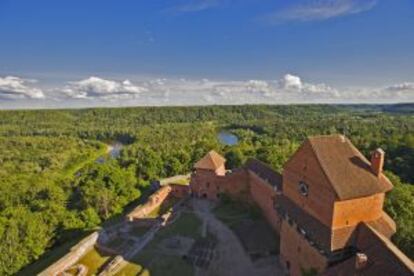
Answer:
x=153 y=202
x=204 y=184
x=180 y=191
x=351 y=212
x=303 y=166
x=208 y=184
x=296 y=251
x=263 y=195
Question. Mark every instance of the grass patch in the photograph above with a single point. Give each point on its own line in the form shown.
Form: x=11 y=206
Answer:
x=151 y=261
x=249 y=225
x=164 y=207
x=187 y=224
x=182 y=181
x=230 y=212
x=139 y=231
x=93 y=260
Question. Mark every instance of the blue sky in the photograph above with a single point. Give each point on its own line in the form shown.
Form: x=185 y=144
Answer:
x=110 y=53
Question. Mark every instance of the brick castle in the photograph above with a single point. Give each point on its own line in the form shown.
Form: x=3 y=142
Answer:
x=327 y=207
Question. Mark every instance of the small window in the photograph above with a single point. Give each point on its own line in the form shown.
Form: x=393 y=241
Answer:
x=303 y=188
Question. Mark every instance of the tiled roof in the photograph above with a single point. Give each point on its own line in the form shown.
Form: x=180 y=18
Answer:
x=265 y=172
x=383 y=257
x=385 y=225
x=211 y=161
x=348 y=171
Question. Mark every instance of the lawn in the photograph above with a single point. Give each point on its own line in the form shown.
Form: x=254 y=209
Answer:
x=139 y=231
x=151 y=261
x=232 y=212
x=247 y=222
x=93 y=260
x=182 y=181
x=168 y=203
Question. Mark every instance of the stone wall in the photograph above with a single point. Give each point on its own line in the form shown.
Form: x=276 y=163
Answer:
x=76 y=252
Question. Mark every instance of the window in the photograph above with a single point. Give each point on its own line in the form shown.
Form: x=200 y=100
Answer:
x=303 y=188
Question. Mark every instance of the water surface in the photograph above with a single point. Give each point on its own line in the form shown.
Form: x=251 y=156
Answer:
x=227 y=138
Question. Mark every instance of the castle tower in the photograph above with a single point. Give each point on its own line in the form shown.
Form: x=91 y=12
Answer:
x=204 y=180
x=329 y=190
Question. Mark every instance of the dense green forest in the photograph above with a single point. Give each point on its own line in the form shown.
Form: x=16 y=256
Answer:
x=53 y=190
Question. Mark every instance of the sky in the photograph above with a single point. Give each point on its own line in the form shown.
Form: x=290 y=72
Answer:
x=83 y=53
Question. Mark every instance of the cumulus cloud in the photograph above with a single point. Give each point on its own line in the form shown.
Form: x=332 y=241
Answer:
x=406 y=86
x=318 y=10
x=289 y=88
x=95 y=87
x=291 y=82
x=18 y=88
x=294 y=83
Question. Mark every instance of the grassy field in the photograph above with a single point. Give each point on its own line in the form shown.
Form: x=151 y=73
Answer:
x=151 y=261
x=232 y=212
x=249 y=225
x=93 y=260
x=164 y=207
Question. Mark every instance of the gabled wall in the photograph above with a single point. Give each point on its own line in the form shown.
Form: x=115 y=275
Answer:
x=349 y=213
x=303 y=166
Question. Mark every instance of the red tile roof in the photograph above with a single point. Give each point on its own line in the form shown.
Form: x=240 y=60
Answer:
x=211 y=161
x=265 y=172
x=348 y=171
x=383 y=257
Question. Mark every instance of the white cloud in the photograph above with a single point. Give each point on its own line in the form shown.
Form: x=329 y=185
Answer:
x=94 y=87
x=405 y=86
x=18 y=88
x=290 y=88
x=318 y=10
x=292 y=83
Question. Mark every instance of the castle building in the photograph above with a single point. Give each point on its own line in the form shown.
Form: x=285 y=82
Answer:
x=327 y=206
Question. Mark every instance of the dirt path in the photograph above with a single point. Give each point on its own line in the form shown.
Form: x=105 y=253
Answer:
x=230 y=258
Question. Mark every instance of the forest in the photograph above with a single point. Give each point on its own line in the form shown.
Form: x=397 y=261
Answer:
x=53 y=190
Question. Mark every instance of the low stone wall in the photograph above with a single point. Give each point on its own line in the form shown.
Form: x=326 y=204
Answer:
x=76 y=252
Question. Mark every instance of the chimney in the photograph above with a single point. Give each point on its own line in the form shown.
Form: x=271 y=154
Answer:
x=377 y=161
x=361 y=261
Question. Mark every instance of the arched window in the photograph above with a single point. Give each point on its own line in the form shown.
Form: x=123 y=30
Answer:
x=303 y=188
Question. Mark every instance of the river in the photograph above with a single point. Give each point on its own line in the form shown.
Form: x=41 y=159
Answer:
x=113 y=151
